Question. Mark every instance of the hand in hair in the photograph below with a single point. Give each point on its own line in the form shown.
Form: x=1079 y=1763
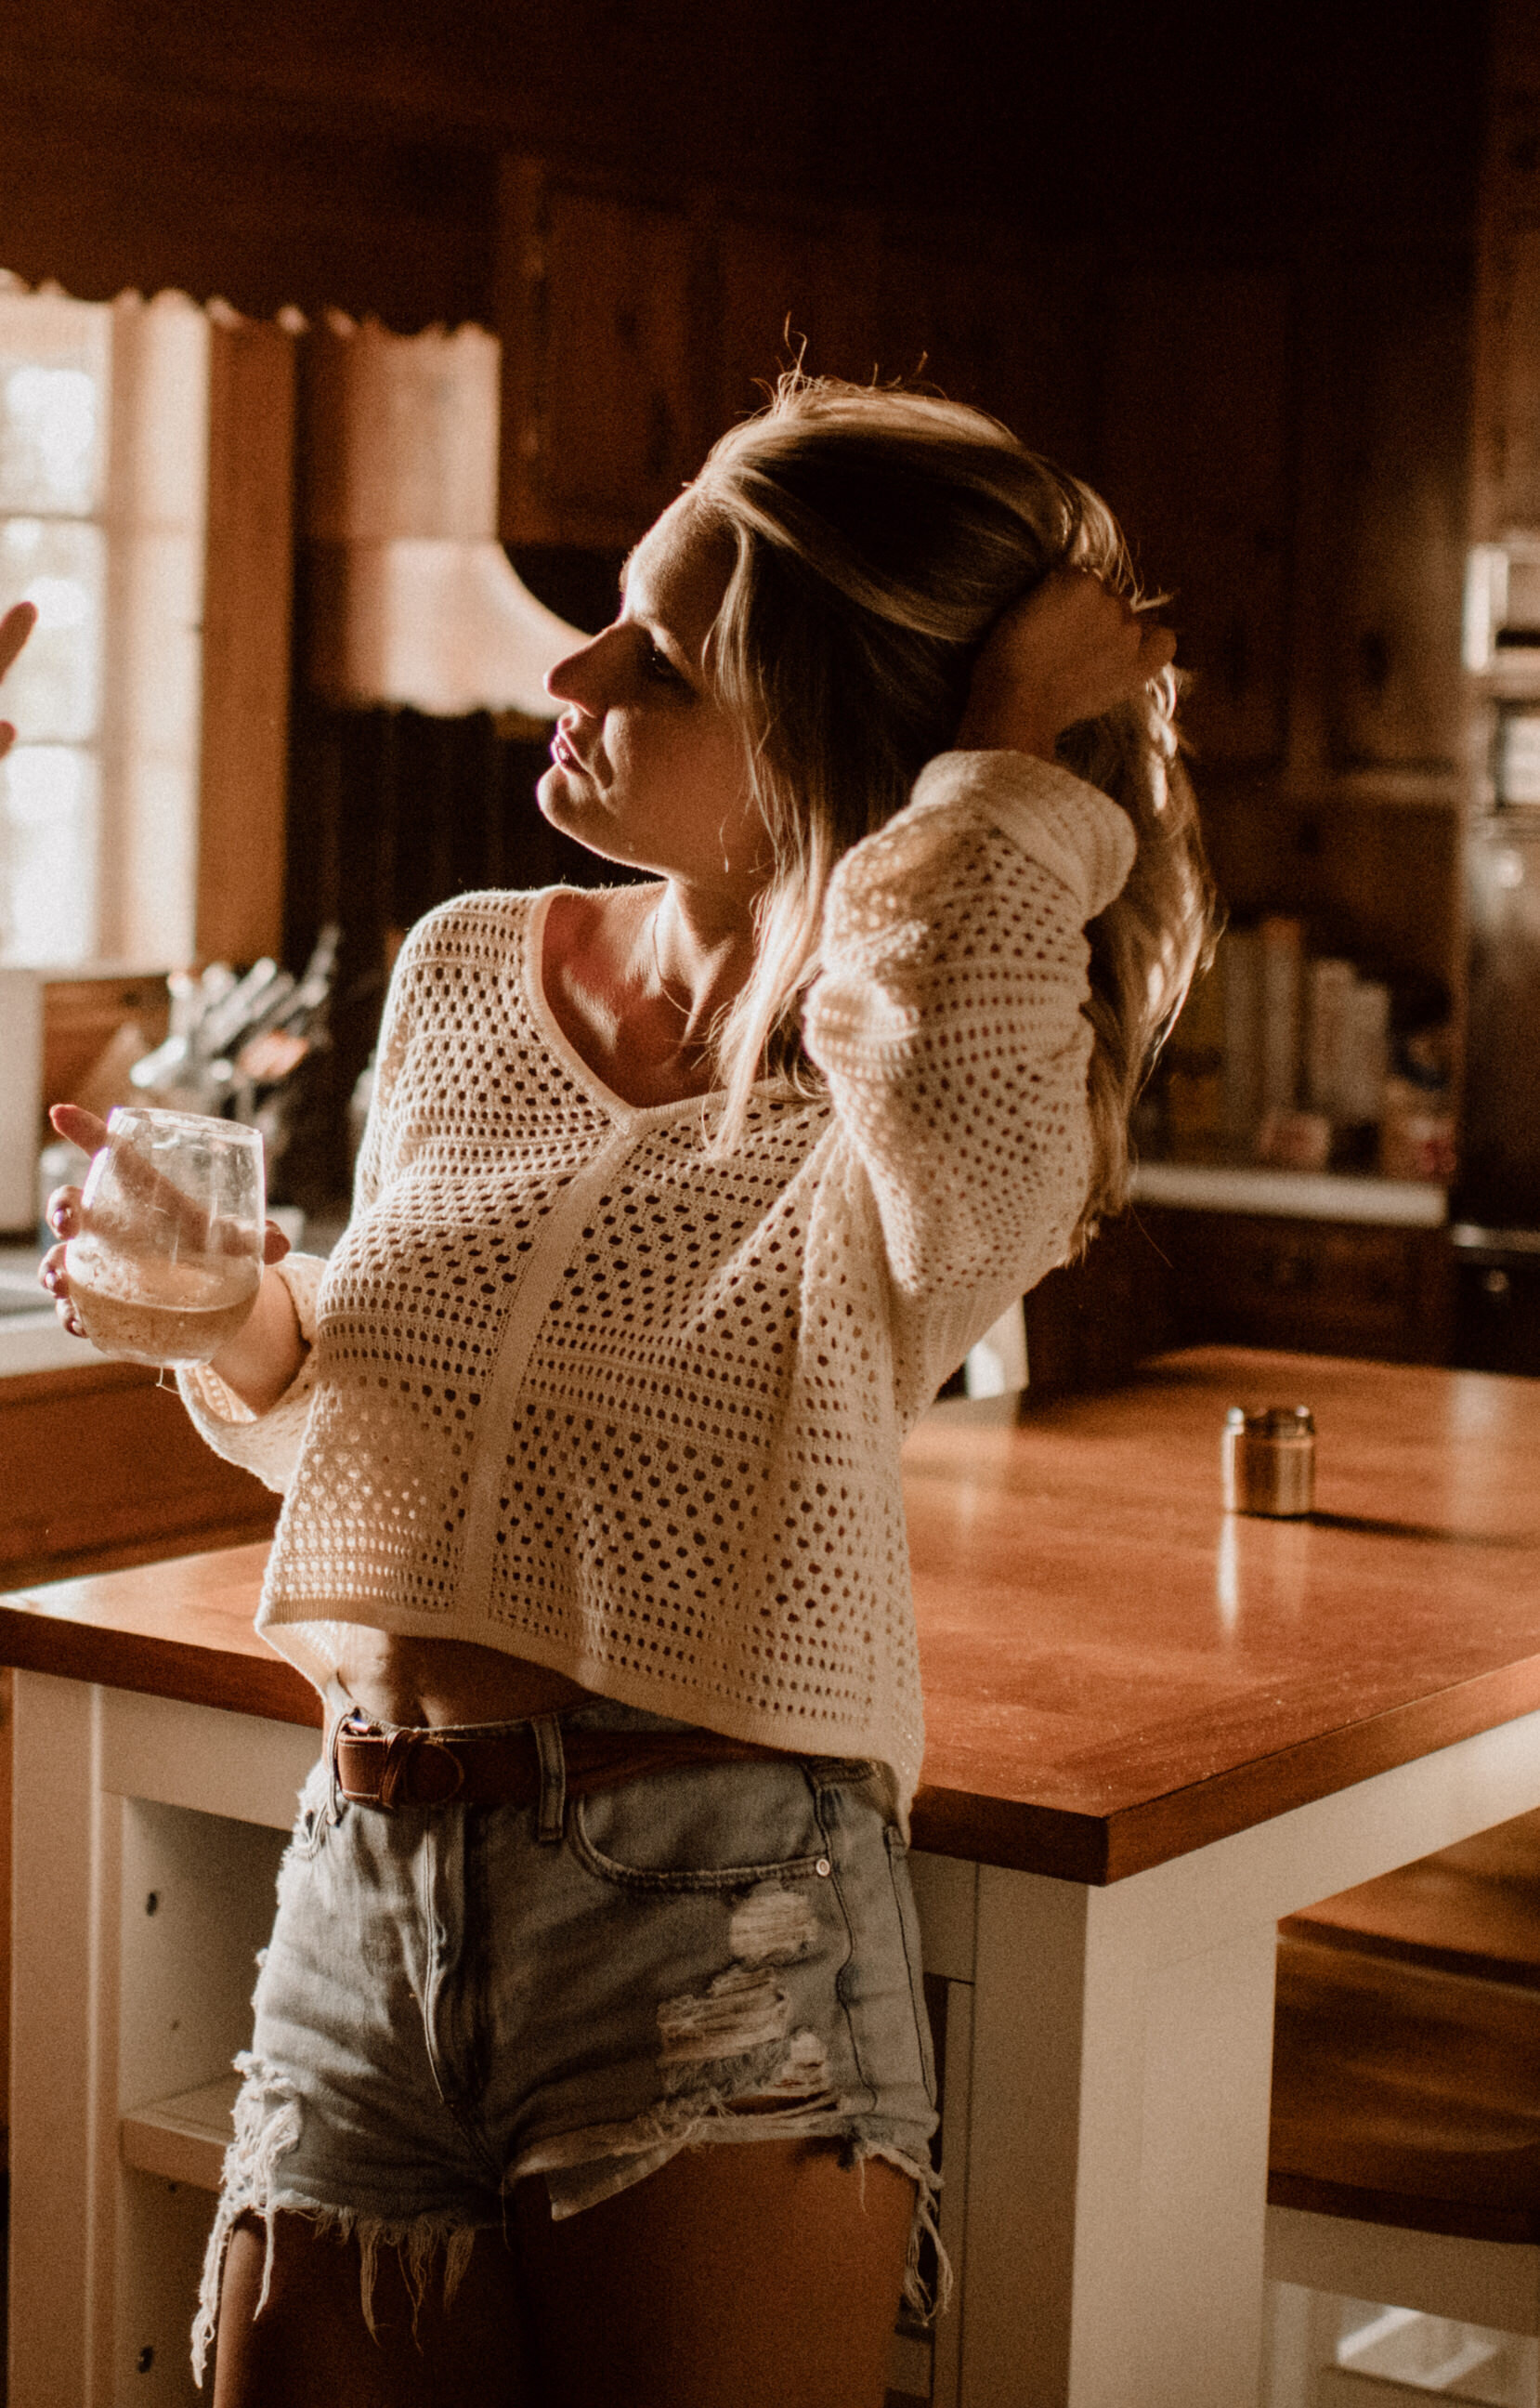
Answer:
x=1067 y=652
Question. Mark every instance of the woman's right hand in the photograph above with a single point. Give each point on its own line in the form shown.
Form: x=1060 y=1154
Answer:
x=266 y=1353
x=1068 y=650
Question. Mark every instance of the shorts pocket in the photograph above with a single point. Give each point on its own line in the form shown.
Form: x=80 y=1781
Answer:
x=313 y=1824
x=711 y=1828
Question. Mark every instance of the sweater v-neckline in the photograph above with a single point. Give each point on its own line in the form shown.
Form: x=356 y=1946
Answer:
x=533 y=972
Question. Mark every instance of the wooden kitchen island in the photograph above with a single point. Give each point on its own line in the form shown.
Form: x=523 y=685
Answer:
x=1152 y=1733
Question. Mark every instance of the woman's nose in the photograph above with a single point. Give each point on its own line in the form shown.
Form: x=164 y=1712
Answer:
x=572 y=679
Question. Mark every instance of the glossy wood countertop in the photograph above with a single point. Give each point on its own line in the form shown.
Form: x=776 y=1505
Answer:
x=1115 y=1671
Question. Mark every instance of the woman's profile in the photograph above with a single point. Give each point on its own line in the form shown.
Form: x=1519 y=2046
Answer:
x=590 y=2058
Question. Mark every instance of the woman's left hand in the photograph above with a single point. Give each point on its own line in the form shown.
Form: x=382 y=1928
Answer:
x=1070 y=649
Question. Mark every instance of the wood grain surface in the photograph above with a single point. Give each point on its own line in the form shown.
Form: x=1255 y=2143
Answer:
x=1115 y=1671
x=1473 y=1909
x=180 y=1629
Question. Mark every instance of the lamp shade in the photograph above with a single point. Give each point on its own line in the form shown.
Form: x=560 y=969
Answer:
x=413 y=600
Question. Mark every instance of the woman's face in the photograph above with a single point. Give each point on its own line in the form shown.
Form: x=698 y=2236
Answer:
x=647 y=767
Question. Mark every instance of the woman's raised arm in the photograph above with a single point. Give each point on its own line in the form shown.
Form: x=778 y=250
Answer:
x=1068 y=650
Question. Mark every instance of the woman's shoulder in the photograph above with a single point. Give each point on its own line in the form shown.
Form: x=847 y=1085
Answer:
x=488 y=923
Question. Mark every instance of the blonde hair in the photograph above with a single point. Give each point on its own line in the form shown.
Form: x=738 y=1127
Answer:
x=878 y=535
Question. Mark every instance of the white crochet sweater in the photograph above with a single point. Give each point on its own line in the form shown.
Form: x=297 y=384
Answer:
x=577 y=1390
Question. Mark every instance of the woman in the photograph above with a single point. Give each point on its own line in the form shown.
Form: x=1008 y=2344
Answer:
x=676 y=1203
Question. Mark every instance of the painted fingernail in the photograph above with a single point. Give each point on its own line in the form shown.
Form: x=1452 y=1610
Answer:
x=59 y=1219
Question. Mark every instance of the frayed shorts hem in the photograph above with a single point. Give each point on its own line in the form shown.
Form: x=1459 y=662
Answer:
x=575 y=2180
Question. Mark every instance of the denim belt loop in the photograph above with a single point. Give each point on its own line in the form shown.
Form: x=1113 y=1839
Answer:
x=339 y=1705
x=547 y=1731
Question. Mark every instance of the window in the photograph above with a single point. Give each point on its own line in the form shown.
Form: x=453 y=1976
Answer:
x=104 y=454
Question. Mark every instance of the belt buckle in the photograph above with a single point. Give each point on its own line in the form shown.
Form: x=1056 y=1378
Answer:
x=406 y=1752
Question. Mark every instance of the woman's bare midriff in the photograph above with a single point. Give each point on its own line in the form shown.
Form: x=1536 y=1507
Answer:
x=434 y=1683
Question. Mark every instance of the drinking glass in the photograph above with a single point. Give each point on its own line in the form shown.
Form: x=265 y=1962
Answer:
x=168 y=1261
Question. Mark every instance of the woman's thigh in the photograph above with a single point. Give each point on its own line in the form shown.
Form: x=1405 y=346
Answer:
x=765 y=2273
x=311 y=2347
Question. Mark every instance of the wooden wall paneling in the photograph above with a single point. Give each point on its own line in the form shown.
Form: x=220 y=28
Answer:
x=1505 y=451
x=1008 y=325
x=1506 y=467
x=1398 y=510
x=804 y=283
x=595 y=299
x=248 y=597
x=1193 y=456
x=137 y=192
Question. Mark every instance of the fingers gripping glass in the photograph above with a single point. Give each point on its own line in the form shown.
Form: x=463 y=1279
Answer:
x=168 y=1258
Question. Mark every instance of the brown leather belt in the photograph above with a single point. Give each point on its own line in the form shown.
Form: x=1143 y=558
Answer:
x=421 y=1768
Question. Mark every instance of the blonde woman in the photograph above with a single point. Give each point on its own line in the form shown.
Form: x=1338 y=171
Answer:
x=589 y=2060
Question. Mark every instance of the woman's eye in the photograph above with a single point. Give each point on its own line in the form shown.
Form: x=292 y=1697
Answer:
x=659 y=665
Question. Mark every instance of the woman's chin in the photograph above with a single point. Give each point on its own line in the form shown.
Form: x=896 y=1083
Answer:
x=561 y=810
x=558 y=806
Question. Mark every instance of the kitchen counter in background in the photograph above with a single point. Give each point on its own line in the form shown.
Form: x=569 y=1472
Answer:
x=1291 y=1194
x=31 y=1338
x=100 y=1467
x=1210 y=1254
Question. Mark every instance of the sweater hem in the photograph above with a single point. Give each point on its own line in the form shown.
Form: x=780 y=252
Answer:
x=297 y=1637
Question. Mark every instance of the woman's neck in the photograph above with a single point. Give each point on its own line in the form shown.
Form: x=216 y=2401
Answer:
x=636 y=979
x=702 y=955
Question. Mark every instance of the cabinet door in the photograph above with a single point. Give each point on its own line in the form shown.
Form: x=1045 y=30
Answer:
x=1010 y=333
x=1317 y=1287
x=1193 y=460
x=1091 y=1323
x=1399 y=511
x=802 y=286
x=595 y=307
x=154 y=1488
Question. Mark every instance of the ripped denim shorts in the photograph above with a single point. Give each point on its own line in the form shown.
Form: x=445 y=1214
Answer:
x=456 y=1998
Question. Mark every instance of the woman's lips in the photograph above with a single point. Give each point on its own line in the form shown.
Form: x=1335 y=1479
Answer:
x=561 y=752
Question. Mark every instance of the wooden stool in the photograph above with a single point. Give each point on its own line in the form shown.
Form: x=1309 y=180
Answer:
x=1472 y=1909
x=1406 y=2141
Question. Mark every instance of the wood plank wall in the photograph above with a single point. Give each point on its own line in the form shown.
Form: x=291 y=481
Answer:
x=1221 y=260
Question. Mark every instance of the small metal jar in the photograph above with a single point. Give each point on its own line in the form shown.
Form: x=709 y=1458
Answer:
x=1269 y=1461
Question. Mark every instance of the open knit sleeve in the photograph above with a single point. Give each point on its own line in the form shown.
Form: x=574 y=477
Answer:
x=948 y=1020
x=268 y=1443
